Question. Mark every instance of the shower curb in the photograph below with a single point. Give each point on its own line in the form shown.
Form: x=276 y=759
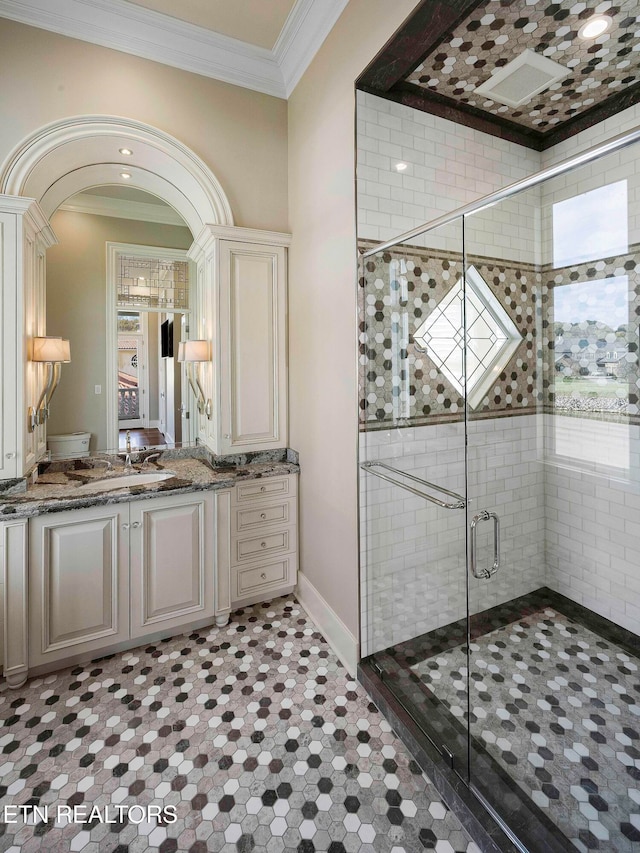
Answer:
x=484 y=829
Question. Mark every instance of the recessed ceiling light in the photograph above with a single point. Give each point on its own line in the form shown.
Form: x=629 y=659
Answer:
x=125 y=175
x=594 y=27
x=400 y=167
x=127 y=152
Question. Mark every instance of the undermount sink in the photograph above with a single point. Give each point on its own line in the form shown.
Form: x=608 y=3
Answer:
x=125 y=482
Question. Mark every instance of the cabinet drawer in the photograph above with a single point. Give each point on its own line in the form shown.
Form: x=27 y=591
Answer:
x=250 y=518
x=267 y=544
x=251 y=581
x=270 y=487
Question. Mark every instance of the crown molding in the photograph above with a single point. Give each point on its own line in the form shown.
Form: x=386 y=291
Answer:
x=126 y=27
x=142 y=32
x=122 y=209
x=307 y=26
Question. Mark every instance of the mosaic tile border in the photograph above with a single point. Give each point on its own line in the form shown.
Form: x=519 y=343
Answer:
x=401 y=386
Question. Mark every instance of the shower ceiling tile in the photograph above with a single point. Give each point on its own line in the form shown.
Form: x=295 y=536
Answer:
x=438 y=59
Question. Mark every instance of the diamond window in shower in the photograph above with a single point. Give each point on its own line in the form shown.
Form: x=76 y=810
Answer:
x=492 y=337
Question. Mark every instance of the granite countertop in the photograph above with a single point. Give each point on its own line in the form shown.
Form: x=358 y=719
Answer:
x=81 y=483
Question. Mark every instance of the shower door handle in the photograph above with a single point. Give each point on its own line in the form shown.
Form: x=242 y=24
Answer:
x=484 y=574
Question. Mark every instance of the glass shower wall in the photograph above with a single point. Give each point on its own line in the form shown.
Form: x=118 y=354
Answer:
x=553 y=479
x=412 y=462
x=499 y=362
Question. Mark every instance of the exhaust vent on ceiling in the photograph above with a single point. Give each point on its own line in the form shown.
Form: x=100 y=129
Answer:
x=519 y=80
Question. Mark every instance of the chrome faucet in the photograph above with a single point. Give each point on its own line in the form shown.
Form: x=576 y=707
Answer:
x=107 y=462
x=150 y=459
x=128 y=460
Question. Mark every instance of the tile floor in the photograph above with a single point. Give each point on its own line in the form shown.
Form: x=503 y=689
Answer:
x=559 y=708
x=254 y=732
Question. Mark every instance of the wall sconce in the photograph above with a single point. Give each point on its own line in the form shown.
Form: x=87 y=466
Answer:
x=53 y=352
x=193 y=352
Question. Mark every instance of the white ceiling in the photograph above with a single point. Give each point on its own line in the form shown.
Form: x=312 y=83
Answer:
x=131 y=27
x=255 y=21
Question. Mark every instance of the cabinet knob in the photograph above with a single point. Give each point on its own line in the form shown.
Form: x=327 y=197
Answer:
x=263 y=488
x=263 y=515
x=125 y=526
x=263 y=544
x=11 y=455
x=264 y=576
x=136 y=524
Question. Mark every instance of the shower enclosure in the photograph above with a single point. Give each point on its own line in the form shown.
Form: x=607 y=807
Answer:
x=500 y=498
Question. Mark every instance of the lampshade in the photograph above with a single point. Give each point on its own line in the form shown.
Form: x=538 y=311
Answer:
x=194 y=351
x=51 y=349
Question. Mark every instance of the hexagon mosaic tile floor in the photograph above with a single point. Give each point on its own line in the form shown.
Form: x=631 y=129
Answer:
x=559 y=708
x=254 y=734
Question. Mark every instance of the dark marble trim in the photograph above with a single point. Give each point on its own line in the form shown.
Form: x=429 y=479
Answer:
x=418 y=98
x=419 y=36
x=435 y=420
x=487 y=830
x=415 y=651
x=416 y=38
x=613 y=105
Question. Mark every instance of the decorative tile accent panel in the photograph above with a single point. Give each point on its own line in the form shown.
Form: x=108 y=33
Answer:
x=496 y=33
x=254 y=733
x=399 y=290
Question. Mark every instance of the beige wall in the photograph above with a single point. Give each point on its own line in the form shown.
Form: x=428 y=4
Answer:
x=76 y=309
x=241 y=135
x=322 y=307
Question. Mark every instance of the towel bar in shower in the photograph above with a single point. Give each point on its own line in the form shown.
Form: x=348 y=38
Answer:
x=460 y=502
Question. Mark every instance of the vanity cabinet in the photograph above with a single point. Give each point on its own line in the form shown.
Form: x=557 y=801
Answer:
x=264 y=547
x=83 y=583
x=241 y=303
x=171 y=562
x=78 y=582
x=253 y=386
x=102 y=576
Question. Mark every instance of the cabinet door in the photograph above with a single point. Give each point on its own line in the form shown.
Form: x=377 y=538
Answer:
x=10 y=463
x=172 y=562
x=253 y=381
x=78 y=574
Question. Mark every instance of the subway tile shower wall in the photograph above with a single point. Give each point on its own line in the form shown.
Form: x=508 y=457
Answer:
x=561 y=483
x=413 y=552
x=448 y=165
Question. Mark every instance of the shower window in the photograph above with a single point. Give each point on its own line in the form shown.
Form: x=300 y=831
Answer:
x=595 y=370
x=591 y=225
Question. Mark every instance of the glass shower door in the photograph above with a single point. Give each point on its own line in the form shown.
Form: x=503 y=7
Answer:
x=412 y=479
x=553 y=492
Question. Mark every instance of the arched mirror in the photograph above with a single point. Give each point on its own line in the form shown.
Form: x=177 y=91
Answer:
x=119 y=289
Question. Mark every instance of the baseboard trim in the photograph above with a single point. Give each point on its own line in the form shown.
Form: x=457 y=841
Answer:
x=336 y=633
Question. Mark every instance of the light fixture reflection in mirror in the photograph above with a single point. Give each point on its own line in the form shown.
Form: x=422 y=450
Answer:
x=192 y=353
x=53 y=352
